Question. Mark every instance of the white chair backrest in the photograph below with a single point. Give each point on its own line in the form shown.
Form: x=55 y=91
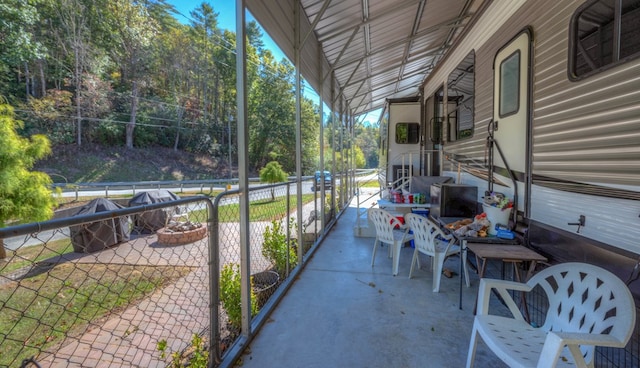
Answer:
x=425 y=232
x=586 y=298
x=384 y=223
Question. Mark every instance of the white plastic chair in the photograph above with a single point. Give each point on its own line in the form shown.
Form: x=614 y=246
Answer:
x=429 y=239
x=588 y=307
x=385 y=224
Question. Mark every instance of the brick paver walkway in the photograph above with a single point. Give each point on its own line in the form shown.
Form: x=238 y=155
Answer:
x=174 y=313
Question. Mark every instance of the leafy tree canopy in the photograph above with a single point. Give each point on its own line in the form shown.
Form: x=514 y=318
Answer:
x=273 y=173
x=24 y=195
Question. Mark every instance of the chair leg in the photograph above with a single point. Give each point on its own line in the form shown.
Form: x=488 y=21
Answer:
x=413 y=262
x=375 y=247
x=466 y=271
x=437 y=265
x=471 y=355
x=396 y=257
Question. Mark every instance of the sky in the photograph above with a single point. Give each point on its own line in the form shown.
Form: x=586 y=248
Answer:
x=226 y=10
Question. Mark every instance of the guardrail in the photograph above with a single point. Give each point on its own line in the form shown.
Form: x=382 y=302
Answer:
x=180 y=185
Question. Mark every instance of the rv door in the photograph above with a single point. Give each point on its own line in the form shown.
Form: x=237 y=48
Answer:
x=511 y=114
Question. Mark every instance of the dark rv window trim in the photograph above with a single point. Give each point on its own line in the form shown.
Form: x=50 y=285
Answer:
x=517 y=104
x=412 y=132
x=462 y=101
x=573 y=42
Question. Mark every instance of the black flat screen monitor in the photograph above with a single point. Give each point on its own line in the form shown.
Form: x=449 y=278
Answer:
x=453 y=200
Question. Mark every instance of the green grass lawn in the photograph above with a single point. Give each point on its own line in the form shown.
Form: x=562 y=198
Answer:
x=261 y=210
x=39 y=312
x=27 y=256
x=369 y=184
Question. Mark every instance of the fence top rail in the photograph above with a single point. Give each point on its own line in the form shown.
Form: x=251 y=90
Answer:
x=36 y=227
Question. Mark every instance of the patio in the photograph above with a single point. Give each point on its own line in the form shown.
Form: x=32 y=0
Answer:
x=342 y=312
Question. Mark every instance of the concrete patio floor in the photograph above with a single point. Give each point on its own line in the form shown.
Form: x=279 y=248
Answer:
x=341 y=312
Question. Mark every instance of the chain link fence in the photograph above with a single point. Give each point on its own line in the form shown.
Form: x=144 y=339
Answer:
x=274 y=251
x=132 y=286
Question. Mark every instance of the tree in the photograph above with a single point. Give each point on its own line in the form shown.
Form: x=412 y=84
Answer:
x=74 y=40
x=24 y=195
x=17 y=45
x=367 y=137
x=134 y=31
x=272 y=114
x=272 y=173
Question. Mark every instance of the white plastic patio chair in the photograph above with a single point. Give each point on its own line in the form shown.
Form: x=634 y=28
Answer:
x=386 y=232
x=588 y=307
x=429 y=239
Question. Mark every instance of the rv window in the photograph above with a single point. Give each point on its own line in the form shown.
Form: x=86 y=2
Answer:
x=436 y=121
x=461 y=93
x=603 y=33
x=407 y=133
x=510 y=85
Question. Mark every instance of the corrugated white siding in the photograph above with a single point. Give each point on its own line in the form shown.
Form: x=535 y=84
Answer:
x=608 y=220
x=586 y=131
x=483 y=40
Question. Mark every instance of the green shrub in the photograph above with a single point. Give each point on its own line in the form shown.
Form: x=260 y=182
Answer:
x=198 y=356
x=276 y=249
x=230 y=295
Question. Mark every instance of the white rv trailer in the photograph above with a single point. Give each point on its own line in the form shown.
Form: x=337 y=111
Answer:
x=554 y=86
x=401 y=153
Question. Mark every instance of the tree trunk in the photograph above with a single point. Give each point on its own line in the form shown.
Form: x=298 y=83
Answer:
x=43 y=81
x=78 y=98
x=3 y=253
x=134 y=109
x=177 y=140
x=27 y=76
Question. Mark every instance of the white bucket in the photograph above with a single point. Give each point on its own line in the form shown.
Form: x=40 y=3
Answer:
x=495 y=216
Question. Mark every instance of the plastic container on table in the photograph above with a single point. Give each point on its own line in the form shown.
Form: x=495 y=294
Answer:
x=421 y=211
x=496 y=216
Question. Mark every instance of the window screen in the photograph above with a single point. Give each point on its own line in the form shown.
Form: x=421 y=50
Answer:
x=461 y=93
x=603 y=33
x=407 y=133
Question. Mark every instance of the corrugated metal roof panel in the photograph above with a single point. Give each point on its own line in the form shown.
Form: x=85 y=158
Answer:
x=377 y=49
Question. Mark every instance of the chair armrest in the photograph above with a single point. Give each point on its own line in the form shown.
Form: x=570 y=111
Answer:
x=556 y=341
x=502 y=287
x=395 y=223
x=584 y=338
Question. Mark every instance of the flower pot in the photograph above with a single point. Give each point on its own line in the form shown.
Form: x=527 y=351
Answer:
x=265 y=284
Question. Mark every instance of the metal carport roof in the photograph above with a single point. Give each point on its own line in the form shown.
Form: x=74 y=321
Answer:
x=372 y=50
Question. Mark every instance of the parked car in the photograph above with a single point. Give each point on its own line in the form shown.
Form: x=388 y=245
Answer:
x=317 y=183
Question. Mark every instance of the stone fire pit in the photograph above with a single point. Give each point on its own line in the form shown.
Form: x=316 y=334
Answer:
x=180 y=233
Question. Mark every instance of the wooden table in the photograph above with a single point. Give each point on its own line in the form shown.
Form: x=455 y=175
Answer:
x=513 y=254
x=464 y=240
